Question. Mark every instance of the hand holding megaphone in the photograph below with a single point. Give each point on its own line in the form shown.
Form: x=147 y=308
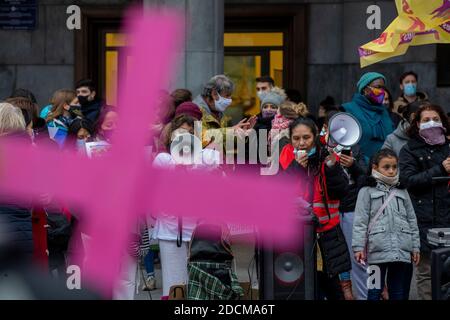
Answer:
x=345 y=131
x=346 y=160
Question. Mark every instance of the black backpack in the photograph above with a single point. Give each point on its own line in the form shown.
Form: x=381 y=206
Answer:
x=210 y=243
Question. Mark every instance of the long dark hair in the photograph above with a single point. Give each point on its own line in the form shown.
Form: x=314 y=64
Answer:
x=315 y=161
x=390 y=99
x=375 y=160
x=414 y=128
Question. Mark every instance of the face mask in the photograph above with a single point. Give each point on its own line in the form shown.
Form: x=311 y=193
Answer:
x=81 y=145
x=269 y=113
x=75 y=111
x=433 y=133
x=376 y=95
x=83 y=100
x=410 y=89
x=390 y=181
x=222 y=104
x=312 y=152
x=108 y=134
x=261 y=95
x=323 y=136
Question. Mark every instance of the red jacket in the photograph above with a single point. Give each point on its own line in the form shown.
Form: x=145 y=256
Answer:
x=325 y=209
x=40 y=256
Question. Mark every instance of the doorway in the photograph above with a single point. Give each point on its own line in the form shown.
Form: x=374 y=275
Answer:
x=263 y=40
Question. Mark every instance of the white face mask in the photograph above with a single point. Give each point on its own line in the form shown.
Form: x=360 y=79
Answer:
x=222 y=104
x=430 y=124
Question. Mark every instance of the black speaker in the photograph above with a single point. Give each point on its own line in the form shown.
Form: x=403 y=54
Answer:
x=285 y=275
x=440 y=274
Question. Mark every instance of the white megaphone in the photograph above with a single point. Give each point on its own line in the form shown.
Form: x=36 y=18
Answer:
x=186 y=149
x=345 y=131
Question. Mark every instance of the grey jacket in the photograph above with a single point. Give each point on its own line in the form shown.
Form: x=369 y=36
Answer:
x=396 y=140
x=395 y=235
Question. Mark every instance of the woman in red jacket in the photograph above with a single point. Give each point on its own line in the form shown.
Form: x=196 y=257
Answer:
x=324 y=183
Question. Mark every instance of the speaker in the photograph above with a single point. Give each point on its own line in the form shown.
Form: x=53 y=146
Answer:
x=345 y=129
x=286 y=275
x=440 y=274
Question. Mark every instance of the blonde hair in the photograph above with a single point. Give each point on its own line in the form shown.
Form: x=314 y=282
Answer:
x=291 y=110
x=11 y=119
x=59 y=99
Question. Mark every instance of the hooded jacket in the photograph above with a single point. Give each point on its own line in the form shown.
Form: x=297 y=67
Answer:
x=397 y=140
x=394 y=235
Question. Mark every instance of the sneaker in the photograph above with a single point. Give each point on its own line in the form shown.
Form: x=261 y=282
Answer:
x=149 y=284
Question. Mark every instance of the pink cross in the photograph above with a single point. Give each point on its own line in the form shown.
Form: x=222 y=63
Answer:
x=114 y=191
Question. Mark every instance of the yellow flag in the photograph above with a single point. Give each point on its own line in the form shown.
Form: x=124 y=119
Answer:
x=419 y=22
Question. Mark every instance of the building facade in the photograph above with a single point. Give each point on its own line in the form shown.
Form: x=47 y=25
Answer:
x=309 y=45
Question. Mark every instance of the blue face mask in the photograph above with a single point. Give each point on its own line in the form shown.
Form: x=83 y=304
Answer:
x=81 y=145
x=312 y=152
x=410 y=89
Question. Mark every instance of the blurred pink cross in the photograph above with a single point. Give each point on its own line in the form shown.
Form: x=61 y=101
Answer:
x=114 y=191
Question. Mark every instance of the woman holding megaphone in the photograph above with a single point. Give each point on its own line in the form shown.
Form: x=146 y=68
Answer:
x=318 y=170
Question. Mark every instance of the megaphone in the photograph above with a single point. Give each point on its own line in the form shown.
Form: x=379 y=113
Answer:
x=345 y=130
x=186 y=149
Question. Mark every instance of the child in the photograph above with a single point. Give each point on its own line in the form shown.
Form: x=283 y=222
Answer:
x=385 y=228
x=80 y=132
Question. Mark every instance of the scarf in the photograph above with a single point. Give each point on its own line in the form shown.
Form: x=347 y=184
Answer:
x=389 y=181
x=374 y=116
x=280 y=122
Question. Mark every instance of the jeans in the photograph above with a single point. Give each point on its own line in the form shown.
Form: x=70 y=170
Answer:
x=423 y=277
x=358 y=272
x=399 y=276
x=148 y=262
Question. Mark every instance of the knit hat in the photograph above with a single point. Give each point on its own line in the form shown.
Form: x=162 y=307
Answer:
x=367 y=78
x=272 y=98
x=189 y=109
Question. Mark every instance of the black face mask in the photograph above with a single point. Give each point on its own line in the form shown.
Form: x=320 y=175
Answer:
x=75 y=111
x=83 y=100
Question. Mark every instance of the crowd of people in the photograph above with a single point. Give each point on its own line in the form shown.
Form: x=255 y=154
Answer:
x=372 y=204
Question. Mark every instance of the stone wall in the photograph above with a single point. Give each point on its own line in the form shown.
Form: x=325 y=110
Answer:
x=336 y=28
x=42 y=60
x=202 y=54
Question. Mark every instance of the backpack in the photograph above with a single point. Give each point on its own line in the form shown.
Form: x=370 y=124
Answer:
x=210 y=243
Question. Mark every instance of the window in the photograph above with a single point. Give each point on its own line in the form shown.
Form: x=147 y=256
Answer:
x=248 y=56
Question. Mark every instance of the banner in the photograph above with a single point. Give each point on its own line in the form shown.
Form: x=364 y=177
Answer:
x=419 y=22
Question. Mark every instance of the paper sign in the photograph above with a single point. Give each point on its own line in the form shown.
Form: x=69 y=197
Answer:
x=97 y=149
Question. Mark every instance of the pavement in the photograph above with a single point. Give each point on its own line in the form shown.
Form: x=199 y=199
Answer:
x=243 y=248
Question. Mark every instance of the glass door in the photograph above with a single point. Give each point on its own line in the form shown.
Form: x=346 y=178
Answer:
x=248 y=56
